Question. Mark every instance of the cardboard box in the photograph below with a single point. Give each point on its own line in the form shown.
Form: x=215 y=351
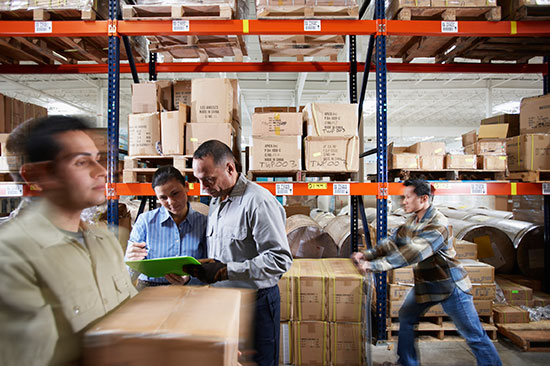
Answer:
x=3 y=140
x=346 y=344
x=310 y=290
x=182 y=93
x=432 y=162
x=494 y=131
x=484 y=291
x=512 y=120
x=275 y=110
x=454 y=161
x=296 y=209
x=152 y=97
x=401 y=275
x=427 y=148
x=197 y=133
x=534 y=115
x=487 y=147
x=286 y=290
x=506 y=314
x=528 y=152
x=492 y=162
x=172 y=129
x=521 y=302
x=465 y=249
x=182 y=323
x=286 y=338
x=332 y=154
x=236 y=101
x=345 y=290
x=514 y=291
x=483 y=308
x=311 y=341
x=211 y=101
x=541 y=298
x=404 y=161
x=275 y=153
x=277 y=124
x=143 y=134
x=479 y=272
x=399 y=292
x=331 y=119
x=469 y=138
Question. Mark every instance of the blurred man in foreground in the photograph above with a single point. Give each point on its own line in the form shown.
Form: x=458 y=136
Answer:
x=58 y=274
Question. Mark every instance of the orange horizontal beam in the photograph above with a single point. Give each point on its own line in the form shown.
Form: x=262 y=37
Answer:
x=73 y=28
x=469 y=28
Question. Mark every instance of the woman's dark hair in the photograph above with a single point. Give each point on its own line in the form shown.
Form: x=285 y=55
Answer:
x=165 y=174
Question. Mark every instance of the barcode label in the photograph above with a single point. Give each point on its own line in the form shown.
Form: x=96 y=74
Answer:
x=180 y=25
x=449 y=27
x=312 y=25
x=11 y=190
x=42 y=27
x=284 y=189
x=340 y=189
x=478 y=188
x=545 y=188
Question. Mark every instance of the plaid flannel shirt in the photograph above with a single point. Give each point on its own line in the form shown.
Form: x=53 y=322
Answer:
x=428 y=246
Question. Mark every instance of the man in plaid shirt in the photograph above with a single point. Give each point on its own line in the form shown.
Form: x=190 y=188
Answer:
x=424 y=241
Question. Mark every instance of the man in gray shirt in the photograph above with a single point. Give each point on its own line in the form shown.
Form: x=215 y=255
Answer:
x=246 y=241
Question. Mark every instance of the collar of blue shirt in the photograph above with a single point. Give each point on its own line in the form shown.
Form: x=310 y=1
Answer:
x=165 y=215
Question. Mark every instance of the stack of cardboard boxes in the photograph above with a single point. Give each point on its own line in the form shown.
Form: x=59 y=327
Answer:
x=321 y=313
x=488 y=145
x=13 y=112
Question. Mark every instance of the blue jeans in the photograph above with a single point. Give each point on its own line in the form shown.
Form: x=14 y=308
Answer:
x=460 y=307
x=267 y=326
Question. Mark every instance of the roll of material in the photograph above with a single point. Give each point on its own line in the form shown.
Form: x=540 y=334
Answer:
x=307 y=239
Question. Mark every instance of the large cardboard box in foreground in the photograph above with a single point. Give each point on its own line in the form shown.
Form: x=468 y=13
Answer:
x=311 y=342
x=332 y=154
x=197 y=133
x=143 y=134
x=512 y=120
x=275 y=153
x=211 y=101
x=528 y=152
x=506 y=314
x=331 y=119
x=181 y=323
x=277 y=124
x=345 y=290
x=534 y=115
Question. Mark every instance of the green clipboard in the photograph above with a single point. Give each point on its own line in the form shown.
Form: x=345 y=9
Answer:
x=162 y=266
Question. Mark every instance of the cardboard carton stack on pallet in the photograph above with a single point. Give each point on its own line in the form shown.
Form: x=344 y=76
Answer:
x=488 y=145
x=321 y=313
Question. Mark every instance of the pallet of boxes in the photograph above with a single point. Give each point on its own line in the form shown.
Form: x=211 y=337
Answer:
x=435 y=324
x=170 y=120
x=322 y=313
x=488 y=144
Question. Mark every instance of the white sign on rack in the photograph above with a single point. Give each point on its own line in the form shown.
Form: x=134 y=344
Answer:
x=312 y=25
x=449 y=27
x=42 y=27
x=11 y=190
x=478 y=188
x=545 y=188
x=179 y=25
x=203 y=192
x=340 y=189
x=284 y=189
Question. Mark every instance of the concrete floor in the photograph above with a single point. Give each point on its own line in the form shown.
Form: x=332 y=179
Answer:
x=458 y=354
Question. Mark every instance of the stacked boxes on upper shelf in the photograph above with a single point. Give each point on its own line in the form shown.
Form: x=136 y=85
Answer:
x=489 y=144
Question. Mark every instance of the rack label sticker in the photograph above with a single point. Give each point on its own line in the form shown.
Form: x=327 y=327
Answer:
x=284 y=189
x=441 y=186
x=478 y=188
x=179 y=25
x=42 y=27
x=545 y=188
x=340 y=189
x=312 y=25
x=316 y=186
x=203 y=192
x=449 y=27
x=11 y=190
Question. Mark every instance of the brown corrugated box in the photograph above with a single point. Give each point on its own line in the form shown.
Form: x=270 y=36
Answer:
x=311 y=343
x=403 y=161
x=275 y=153
x=480 y=291
x=212 y=101
x=514 y=291
x=277 y=124
x=3 y=139
x=483 y=308
x=346 y=344
x=165 y=325
x=506 y=314
x=494 y=131
x=465 y=249
x=528 y=152
x=310 y=290
x=152 y=97
x=332 y=154
x=172 y=129
x=197 y=133
x=492 y=162
x=487 y=147
x=432 y=162
x=182 y=93
x=534 y=116
x=427 y=148
x=286 y=290
x=479 y=272
x=143 y=134
x=469 y=138
x=512 y=120
x=541 y=298
x=331 y=119
x=345 y=290
x=401 y=275
x=455 y=161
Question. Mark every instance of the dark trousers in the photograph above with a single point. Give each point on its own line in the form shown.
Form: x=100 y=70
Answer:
x=267 y=326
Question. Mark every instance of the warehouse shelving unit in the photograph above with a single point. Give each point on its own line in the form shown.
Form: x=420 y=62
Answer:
x=380 y=27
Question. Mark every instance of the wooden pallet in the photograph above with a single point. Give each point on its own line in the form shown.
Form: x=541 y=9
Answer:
x=163 y=12
x=141 y=168
x=439 y=320
x=50 y=14
x=531 y=337
x=302 y=46
x=537 y=176
x=202 y=47
x=438 y=331
x=308 y=12
x=446 y=174
x=524 y=10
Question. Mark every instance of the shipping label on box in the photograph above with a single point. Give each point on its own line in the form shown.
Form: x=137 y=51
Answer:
x=345 y=290
x=534 y=116
x=401 y=275
x=399 y=292
x=277 y=124
x=528 y=152
x=182 y=92
x=331 y=119
x=311 y=342
x=427 y=148
x=346 y=344
x=172 y=128
x=507 y=314
x=432 y=162
x=197 y=133
x=453 y=161
x=276 y=153
x=465 y=249
x=211 y=101
x=332 y=154
x=404 y=161
x=143 y=134
x=492 y=162
x=479 y=272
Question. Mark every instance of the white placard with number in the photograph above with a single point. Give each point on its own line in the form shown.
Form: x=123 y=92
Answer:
x=203 y=192
x=478 y=188
x=449 y=27
x=179 y=25
x=312 y=25
x=340 y=189
x=42 y=27
x=284 y=189
x=11 y=190
x=545 y=188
